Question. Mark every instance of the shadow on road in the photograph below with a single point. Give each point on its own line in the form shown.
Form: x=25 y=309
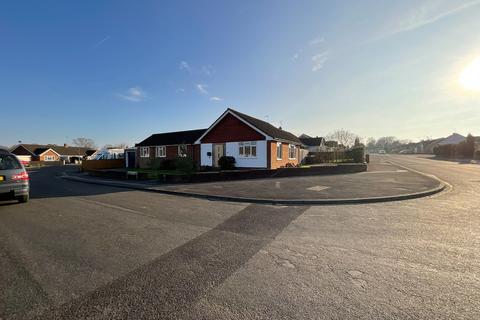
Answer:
x=48 y=183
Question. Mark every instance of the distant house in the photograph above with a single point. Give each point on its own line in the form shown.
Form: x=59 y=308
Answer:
x=50 y=153
x=253 y=143
x=168 y=145
x=454 y=138
x=316 y=144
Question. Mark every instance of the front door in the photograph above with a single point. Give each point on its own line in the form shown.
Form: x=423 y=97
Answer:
x=218 y=152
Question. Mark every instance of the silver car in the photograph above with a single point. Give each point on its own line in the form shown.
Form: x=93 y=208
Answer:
x=14 y=179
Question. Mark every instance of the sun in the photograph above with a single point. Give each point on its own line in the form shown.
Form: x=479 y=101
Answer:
x=470 y=76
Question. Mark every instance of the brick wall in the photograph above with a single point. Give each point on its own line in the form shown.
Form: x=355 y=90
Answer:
x=193 y=151
x=49 y=153
x=285 y=161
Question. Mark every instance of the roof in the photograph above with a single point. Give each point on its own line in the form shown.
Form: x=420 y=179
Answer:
x=38 y=149
x=312 y=142
x=172 y=138
x=452 y=139
x=267 y=128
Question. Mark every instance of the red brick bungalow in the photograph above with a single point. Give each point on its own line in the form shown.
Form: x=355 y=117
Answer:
x=49 y=152
x=253 y=143
x=168 y=145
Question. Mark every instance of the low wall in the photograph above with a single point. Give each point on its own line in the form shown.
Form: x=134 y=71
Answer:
x=267 y=173
x=88 y=165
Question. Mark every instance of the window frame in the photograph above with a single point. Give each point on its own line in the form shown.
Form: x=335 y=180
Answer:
x=144 y=154
x=280 y=148
x=242 y=149
x=180 y=154
x=48 y=158
x=290 y=148
x=159 y=154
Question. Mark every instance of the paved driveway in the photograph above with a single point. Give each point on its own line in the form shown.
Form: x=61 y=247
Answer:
x=79 y=251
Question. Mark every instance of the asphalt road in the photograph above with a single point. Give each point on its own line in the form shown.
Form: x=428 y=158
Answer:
x=80 y=251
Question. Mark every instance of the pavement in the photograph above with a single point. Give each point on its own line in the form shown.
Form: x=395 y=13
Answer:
x=82 y=251
x=383 y=181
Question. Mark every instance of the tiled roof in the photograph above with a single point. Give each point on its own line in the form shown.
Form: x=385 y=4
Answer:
x=172 y=138
x=267 y=128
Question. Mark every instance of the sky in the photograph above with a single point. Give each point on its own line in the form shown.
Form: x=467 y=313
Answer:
x=119 y=71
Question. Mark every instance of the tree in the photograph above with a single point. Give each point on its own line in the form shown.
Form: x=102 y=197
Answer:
x=84 y=143
x=344 y=137
x=121 y=145
x=469 y=148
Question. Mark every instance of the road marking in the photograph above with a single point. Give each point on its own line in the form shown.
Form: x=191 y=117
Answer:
x=385 y=171
x=112 y=206
x=318 y=188
x=277 y=184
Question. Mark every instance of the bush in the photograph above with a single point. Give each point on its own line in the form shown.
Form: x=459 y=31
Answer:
x=358 y=154
x=226 y=163
x=185 y=164
x=168 y=164
x=155 y=164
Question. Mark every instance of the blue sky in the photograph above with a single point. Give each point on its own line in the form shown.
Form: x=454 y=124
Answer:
x=117 y=71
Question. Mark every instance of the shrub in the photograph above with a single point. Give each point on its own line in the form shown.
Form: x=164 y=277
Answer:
x=185 y=164
x=358 y=154
x=168 y=164
x=155 y=164
x=226 y=163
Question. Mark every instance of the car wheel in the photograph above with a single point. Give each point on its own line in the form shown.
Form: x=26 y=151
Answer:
x=23 y=199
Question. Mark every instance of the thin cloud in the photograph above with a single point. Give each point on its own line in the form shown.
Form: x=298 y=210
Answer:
x=208 y=70
x=180 y=90
x=316 y=41
x=319 y=60
x=217 y=99
x=422 y=16
x=134 y=94
x=202 y=88
x=296 y=55
x=99 y=43
x=185 y=66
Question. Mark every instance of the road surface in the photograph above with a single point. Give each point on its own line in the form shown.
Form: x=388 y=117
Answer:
x=78 y=251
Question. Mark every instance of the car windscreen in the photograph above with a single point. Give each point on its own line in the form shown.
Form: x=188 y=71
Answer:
x=9 y=162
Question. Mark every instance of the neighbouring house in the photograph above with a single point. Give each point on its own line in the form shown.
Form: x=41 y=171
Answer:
x=168 y=145
x=107 y=154
x=50 y=153
x=313 y=144
x=454 y=138
x=252 y=142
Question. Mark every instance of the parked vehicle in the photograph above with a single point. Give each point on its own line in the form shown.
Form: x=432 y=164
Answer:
x=381 y=152
x=14 y=179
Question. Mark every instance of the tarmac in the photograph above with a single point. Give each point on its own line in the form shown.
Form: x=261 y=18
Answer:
x=383 y=181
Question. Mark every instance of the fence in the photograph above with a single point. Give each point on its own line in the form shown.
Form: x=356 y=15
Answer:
x=88 y=165
x=354 y=155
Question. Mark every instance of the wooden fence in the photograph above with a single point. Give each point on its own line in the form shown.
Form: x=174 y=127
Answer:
x=88 y=165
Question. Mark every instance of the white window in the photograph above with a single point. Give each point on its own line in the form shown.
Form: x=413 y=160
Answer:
x=49 y=158
x=247 y=149
x=182 y=150
x=160 y=151
x=279 y=151
x=292 y=152
x=144 y=152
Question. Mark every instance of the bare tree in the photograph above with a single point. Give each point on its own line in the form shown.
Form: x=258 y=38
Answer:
x=121 y=145
x=84 y=142
x=344 y=137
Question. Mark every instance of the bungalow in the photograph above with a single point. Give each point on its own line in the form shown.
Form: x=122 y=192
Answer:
x=49 y=153
x=168 y=145
x=316 y=144
x=252 y=142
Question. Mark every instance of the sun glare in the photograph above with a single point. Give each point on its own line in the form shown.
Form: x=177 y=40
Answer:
x=470 y=76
